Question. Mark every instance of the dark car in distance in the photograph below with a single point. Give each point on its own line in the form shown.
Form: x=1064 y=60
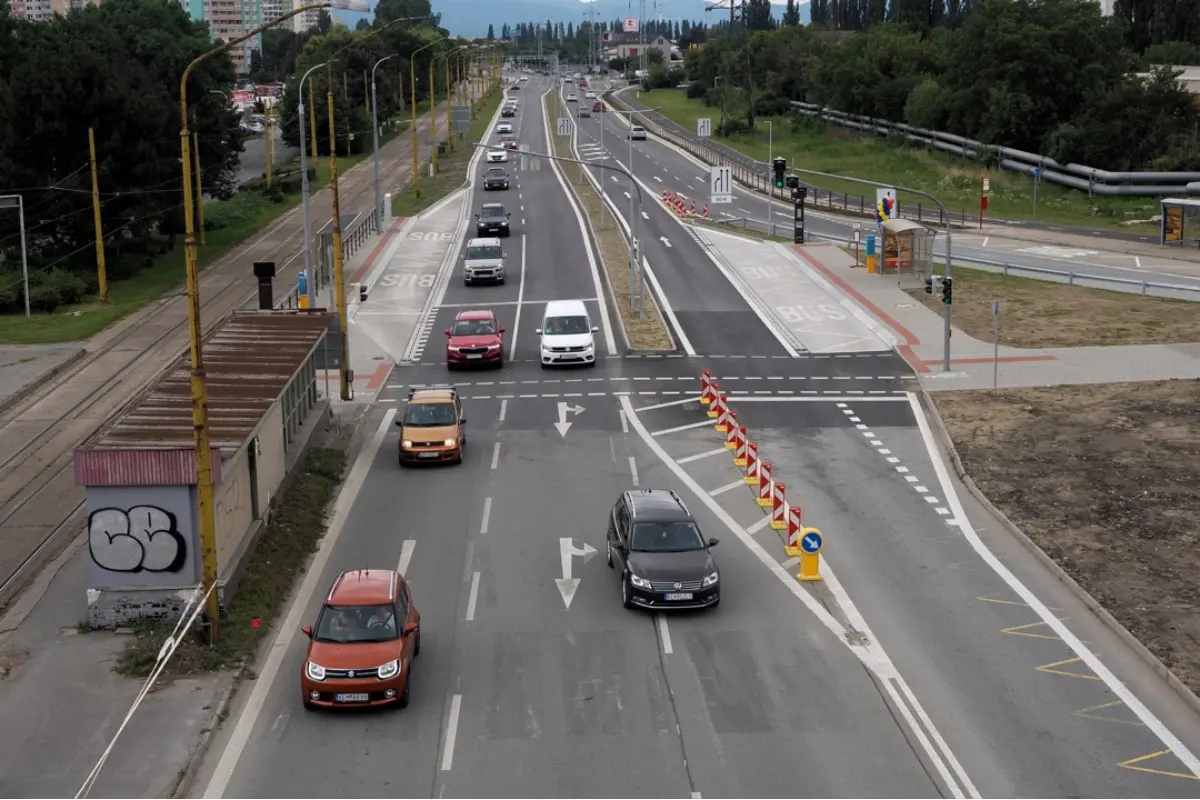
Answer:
x=664 y=559
x=495 y=178
x=492 y=220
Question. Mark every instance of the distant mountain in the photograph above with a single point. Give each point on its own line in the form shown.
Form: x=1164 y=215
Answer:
x=472 y=17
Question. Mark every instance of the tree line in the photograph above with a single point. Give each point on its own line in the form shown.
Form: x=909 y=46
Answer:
x=1049 y=76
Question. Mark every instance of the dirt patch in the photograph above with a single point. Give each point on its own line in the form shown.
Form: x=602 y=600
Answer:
x=1037 y=313
x=1106 y=480
x=10 y=660
x=650 y=334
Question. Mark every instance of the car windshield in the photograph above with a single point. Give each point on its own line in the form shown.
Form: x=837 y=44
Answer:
x=349 y=624
x=429 y=415
x=495 y=172
x=565 y=326
x=483 y=253
x=666 y=537
x=492 y=212
x=473 y=327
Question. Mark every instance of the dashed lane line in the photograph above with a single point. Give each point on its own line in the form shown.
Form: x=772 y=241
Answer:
x=653 y=379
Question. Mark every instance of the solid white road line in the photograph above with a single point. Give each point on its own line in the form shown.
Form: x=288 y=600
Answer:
x=496 y=450
x=451 y=732
x=820 y=399
x=698 y=456
x=664 y=634
x=758 y=526
x=473 y=598
x=684 y=342
x=871 y=654
x=687 y=427
x=512 y=350
x=624 y=422
x=406 y=554
x=503 y=409
x=1144 y=714
x=729 y=487
x=692 y=399
x=633 y=470
x=291 y=623
x=487 y=514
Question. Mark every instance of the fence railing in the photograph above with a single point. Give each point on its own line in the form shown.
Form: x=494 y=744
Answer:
x=355 y=235
x=756 y=175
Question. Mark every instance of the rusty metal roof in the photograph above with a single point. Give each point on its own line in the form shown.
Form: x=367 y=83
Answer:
x=249 y=360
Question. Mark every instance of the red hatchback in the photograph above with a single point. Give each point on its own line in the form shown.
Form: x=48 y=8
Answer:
x=475 y=339
x=509 y=144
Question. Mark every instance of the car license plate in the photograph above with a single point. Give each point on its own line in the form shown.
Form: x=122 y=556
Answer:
x=679 y=596
x=474 y=355
x=428 y=454
x=351 y=698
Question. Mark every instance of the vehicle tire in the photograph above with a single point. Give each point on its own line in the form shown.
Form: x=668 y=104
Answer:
x=417 y=646
x=403 y=463
x=404 y=698
x=308 y=706
x=625 y=601
x=608 y=550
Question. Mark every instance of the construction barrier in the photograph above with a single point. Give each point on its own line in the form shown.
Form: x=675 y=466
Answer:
x=692 y=210
x=739 y=447
x=708 y=387
x=705 y=211
x=719 y=404
x=727 y=417
x=764 y=483
x=811 y=543
x=731 y=435
x=792 y=543
x=752 y=463
x=778 y=506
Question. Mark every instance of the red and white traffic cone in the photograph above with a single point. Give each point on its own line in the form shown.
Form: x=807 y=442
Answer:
x=795 y=531
x=666 y=195
x=739 y=447
x=692 y=211
x=708 y=387
x=752 y=463
x=730 y=426
x=718 y=404
x=764 y=483
x=731 y=435
x=778 y=506
x=706 y=210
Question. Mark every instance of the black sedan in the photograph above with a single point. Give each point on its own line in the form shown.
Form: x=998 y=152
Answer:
x=495 y=178
x=492 y=220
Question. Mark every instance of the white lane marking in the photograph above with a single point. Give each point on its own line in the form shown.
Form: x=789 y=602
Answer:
x=1137 y=260
x=729 y=487
x=451 y=731
x=1144 y=714
x=473 y=598
x=291 y=623
x=664 y=633
x=679 y=428
x=684 y=341
x=512 y=350
x=828 y=398
x=624 y=422
x=985 y=241
x=406 y=554
x=633 y=470
x=698 y=456
x=871 y=654
x=496 y=450
x=692 y=399
x=487 y=515
x=503 y=413
x=758 y=526
x=645 y=215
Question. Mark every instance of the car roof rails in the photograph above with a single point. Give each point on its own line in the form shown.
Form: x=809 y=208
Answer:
x=443 y=387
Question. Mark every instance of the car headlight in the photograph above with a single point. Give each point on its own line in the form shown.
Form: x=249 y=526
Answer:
x=450 y=442
x=639 y=581
x=406 y=444
x=493 y=347
x=711 y=580
x=453 y=348
x=389 y=670
x=503 y=224
x=314 y=671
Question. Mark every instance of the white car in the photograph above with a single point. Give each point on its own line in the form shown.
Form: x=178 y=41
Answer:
x=590 y=95
x=524 y=78
x=497 y=157
x=567 y=334
x=572 y=98
x=504 y=127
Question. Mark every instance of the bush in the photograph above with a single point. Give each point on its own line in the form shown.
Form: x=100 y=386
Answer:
x=11 y=296
x=68 y=287
x=696 y=90
x=772 y=105
x=713 y=97
x=43 y=298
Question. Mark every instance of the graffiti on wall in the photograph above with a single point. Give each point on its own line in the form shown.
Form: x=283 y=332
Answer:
x=137 y=539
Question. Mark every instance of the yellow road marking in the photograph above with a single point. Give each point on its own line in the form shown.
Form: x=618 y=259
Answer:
x=991 y=598
x=1021 y=630
x=1133 y=762
x=1053 y=669
x=1089 y=713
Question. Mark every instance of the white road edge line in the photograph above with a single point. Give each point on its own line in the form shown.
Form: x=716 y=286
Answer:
x=406 y=554
x=687 y=427
x=870 y=654
x=633 y=471
x=473 y=598
x=512 y=350
x=487 y=515
x=692 y=399
x=496 y=451
x=820 y=399
x=291 y=623
x=1144 y=714
x=451 y=732
x=664 y=633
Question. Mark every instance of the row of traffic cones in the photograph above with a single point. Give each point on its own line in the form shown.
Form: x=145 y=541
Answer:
x=680 y=206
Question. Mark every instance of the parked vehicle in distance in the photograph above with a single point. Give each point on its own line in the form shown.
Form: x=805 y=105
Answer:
x=475 y=339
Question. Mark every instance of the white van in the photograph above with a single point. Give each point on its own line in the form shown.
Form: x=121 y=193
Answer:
x=484 y=259
x=567 y=334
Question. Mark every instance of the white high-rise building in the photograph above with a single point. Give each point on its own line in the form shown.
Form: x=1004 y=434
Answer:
x=305 y=21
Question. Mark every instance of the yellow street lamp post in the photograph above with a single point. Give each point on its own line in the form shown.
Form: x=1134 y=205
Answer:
x=204 y=488
x=449 y=100
x=416 y=149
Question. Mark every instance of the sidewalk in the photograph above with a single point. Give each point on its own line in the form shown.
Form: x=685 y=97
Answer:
x=23 y=368
x=919 y=334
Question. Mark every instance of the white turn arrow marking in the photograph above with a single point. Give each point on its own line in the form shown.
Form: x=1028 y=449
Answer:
x=645 y=215
x=566 y=552
x=564 y=409
x=658 y=179
x=665 y=240
x=614 y=178
x=627 y=197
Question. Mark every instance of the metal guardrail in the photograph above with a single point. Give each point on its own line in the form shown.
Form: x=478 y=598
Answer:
x=1191 y=293
x=353 y=238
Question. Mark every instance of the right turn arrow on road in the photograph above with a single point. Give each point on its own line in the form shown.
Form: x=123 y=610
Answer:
x=567 y=551
x=563 y=410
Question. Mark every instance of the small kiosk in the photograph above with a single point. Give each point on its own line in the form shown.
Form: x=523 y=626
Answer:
x=1180 y=221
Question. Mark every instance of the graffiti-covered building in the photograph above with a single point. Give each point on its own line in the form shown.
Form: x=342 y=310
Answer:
x=139 y=469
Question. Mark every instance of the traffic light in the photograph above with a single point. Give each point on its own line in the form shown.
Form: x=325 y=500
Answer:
x=947 y=288
x=929 y=286
x=780 y=165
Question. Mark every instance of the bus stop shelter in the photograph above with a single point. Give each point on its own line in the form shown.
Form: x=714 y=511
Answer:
x=1180 y=221
x=908 y=247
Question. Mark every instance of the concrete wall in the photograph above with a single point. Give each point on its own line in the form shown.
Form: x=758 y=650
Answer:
x=143 y=536
x=243 y=499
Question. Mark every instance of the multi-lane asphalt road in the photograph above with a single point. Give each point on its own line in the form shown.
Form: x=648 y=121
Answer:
x=923 y=667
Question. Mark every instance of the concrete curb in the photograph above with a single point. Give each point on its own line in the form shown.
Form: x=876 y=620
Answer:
x=41 y=380
x=1170 y=678
x=220 y=709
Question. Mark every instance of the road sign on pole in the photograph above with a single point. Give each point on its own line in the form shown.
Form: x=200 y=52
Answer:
x=704 y=127
x=564 y=126
x=720 y=185
x=811 y=542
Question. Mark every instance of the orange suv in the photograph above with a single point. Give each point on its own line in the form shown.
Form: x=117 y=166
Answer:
x=362 y=646
x=433 y=428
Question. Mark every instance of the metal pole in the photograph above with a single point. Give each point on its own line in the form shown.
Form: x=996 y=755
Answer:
x=20 y=204
x=200 y=187
x=339 y=286
x=771 y=185
x=995 y=344
x=308 y=257
x=101 y=270
x=375 y=133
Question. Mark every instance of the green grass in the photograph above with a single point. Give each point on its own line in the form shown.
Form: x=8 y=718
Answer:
x=298 y=521
x=452 y=168
x=954 y=181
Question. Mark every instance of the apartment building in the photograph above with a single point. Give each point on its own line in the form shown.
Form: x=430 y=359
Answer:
x=305 y=20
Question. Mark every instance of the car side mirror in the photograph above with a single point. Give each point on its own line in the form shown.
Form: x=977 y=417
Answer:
x=595 y=329
x=463 y=256
x=713 y=542
x=462 y=420
x=307 y=630
x=538 y=331
x=447 y=331
x=399 y=423
x=509 y=214
x=502 y=329
x=476 y=216
x=410 y=628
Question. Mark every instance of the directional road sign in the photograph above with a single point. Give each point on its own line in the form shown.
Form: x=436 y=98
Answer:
x=811 y=543
x=704 y=127
x=564 y=126
x=720 y=185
